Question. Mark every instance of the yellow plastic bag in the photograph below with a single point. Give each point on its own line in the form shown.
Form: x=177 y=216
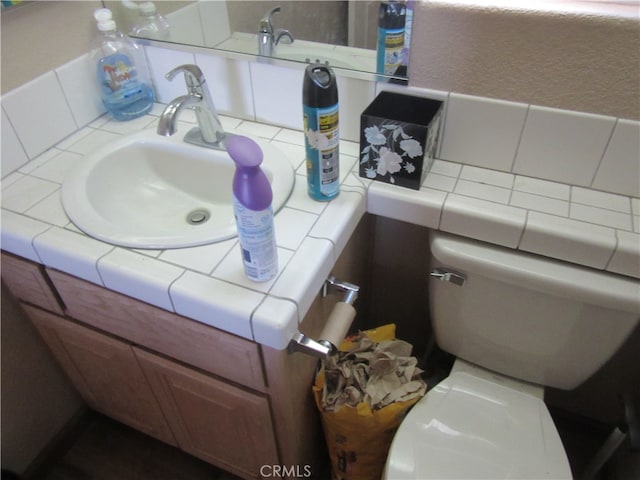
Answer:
x=358 y=439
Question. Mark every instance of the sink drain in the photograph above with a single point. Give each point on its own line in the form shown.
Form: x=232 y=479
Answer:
x=198 y=216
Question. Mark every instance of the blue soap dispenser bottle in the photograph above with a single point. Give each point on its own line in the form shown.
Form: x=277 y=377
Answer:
x=121 y=73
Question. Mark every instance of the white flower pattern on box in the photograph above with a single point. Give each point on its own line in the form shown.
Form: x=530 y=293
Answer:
x=389 y=150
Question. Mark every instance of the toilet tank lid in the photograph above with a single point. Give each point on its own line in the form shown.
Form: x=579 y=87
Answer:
x=536 y=272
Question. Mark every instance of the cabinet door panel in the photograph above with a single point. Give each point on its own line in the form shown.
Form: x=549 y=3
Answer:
x=27 y=281
x=186 y=340
x=105 y=372
x=215 y=421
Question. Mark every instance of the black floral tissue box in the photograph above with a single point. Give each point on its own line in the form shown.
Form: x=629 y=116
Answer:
x=398 y=138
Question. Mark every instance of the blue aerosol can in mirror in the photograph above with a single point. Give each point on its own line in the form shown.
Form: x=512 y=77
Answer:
x=391 y=36
x=321 y=130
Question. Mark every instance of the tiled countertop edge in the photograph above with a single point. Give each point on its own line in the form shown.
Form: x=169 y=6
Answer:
x=544 y=225
x=35 y=227
x=270 y=313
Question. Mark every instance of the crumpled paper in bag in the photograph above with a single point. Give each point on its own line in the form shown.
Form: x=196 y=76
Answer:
x=376 y=373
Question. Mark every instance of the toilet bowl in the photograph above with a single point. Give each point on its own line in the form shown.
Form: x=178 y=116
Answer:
x=478 y=425
x=516 y=323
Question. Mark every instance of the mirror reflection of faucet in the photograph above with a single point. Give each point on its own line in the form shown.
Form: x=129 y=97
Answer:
x=268 y=38
x=209 y=132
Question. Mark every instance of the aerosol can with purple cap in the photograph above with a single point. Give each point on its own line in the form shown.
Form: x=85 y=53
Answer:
x=252 y=198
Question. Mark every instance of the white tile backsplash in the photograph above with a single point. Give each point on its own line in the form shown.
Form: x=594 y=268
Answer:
x=619 y=170
x=39 y=113
x=161 y=61
x=482 y=131
x=277 y=94
x=562 y=146
x=13 y=155
x=81 y=91
x=541 y=144
x=229 y=83
x=354 y=96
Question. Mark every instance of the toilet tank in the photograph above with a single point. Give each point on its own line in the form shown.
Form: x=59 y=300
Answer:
x=527 y=316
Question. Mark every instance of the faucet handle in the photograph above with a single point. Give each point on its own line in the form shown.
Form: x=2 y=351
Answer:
x=192 y=75
x=266 y=24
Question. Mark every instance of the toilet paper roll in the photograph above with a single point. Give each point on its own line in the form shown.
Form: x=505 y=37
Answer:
x=338 y=323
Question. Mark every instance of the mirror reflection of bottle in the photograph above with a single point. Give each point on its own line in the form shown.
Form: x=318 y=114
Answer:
x=120 y=71
x=151 y=24
x=391 y=32
x=321 y=129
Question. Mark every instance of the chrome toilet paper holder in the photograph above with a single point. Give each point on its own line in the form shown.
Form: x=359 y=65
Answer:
x=336 y=326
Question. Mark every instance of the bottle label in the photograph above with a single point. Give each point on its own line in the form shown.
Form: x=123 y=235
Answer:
x=117 y=73
x=391 y=44
x=257 y=242
x=322 y=149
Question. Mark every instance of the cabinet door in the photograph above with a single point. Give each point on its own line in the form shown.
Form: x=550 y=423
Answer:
x=105 y=372
x=211 y=419
x=186 y=340
x=28 y=282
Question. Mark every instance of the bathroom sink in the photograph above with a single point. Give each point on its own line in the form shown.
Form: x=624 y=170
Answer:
x=149 y=191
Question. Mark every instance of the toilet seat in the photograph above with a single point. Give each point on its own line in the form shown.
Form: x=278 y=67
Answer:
x=478 y=425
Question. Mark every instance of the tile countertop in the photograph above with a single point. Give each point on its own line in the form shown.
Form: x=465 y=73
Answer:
x=207 y=283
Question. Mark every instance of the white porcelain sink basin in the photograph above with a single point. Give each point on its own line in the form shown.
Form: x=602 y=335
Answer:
x=149 y=191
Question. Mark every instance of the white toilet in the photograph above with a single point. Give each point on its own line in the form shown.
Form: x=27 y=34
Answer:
x=515 y=322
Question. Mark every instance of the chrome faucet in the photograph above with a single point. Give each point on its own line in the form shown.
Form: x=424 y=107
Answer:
x=209 y=132
x=268 y=39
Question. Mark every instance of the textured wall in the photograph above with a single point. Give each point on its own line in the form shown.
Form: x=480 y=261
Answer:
x=583 y=59
x=39 y=36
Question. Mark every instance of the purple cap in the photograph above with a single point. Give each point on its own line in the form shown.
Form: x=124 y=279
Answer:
x=250 y=185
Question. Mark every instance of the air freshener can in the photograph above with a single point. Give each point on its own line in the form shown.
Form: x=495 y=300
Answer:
x=321 y=128
x=391 y=34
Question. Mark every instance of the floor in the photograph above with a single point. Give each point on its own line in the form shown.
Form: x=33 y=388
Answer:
x=107 y=450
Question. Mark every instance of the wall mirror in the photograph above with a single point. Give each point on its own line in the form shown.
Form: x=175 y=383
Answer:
x=343 y=33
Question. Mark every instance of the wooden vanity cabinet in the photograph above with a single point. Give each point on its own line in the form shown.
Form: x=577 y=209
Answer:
x=217 y=422
x=105 y=372
x=28 y=282
x=190 y=385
